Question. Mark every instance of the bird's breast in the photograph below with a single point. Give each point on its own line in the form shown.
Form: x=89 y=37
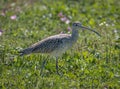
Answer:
x=61 y=49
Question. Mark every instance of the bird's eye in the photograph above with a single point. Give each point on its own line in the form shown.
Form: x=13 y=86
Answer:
x=75 y=24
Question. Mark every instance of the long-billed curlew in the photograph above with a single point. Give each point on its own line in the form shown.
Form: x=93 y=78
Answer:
x=56 y=45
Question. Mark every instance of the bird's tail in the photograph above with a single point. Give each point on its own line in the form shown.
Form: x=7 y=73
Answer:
x=25 y=51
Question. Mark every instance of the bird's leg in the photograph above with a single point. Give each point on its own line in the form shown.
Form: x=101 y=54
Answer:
x=57 y=65
x=42 y=67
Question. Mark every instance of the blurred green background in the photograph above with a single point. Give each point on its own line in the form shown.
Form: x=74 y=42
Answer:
x=93 y=63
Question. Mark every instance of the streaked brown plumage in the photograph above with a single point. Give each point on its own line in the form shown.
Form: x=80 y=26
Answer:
x=50 y=45
x=56 y=45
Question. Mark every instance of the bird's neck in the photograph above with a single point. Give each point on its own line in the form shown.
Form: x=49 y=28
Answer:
x=74 y=35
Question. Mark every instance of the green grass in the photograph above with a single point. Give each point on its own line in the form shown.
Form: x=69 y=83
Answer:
x=93 y=62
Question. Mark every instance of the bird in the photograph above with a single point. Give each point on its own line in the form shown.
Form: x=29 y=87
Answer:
x=56 y=45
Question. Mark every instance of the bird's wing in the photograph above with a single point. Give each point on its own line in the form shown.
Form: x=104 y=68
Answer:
x=49 y=44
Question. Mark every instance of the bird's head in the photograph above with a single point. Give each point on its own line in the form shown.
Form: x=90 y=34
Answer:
x=78 y=25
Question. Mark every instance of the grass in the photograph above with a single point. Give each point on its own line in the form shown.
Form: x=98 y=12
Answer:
x=93 y=63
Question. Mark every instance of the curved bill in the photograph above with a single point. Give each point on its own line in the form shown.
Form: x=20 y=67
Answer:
x=90 y=30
